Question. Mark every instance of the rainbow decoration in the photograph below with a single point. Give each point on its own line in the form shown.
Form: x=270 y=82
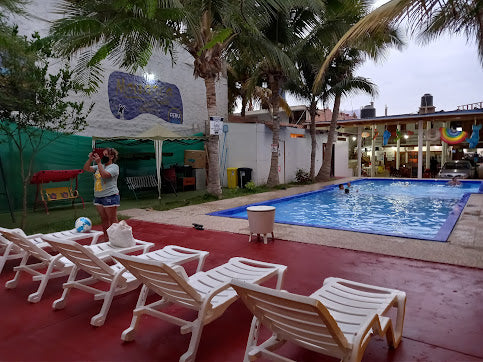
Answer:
x=451 y=136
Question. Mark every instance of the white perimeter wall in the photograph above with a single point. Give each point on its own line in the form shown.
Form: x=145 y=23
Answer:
x=102 y=122
x=249 y=145
x=341 y=159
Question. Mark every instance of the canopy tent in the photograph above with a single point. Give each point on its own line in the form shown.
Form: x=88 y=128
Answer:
x=158 y=134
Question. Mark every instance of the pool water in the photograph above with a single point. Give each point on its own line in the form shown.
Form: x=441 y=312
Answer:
x=420 y=209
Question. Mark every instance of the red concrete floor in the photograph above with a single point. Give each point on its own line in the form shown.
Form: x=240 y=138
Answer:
x=444 y=313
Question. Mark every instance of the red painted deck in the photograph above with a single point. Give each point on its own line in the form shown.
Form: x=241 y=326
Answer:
x=444 y=313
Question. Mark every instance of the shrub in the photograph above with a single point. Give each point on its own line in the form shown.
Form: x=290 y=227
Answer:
x=302 y=177
x=250 y=186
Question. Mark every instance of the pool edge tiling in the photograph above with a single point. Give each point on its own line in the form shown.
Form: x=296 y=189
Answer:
x=441 y=235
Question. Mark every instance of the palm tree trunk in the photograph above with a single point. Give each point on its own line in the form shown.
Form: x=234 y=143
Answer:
x=324 y=172
x=313 y=113
x=213 y=186
x=273 y=179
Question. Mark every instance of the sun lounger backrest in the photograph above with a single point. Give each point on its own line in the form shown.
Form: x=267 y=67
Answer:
x=27 y=245
x=302 y=320
x=84 y=259
x=162 y=279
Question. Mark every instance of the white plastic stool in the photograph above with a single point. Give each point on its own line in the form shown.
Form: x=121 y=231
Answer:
x=261 y=220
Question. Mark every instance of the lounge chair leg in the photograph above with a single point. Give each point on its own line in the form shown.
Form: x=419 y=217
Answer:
x=99 y=319
x=6 y=253
x=252 y=338
x=401 y=311
x=129 y=333
x=35 y=297
x=190 y=354
x=13 y=283
x=60 y=303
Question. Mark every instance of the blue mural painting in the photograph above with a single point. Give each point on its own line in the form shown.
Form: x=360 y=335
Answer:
x=131 y=95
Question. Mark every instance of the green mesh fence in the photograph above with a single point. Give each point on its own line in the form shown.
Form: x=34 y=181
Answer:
x=71 y=151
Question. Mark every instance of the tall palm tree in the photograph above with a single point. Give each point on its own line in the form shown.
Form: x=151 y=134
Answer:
x=430 y=18
x=308 y=62
x=330 y=24
x=129 y=31
x=273 y=50
x=341 y=82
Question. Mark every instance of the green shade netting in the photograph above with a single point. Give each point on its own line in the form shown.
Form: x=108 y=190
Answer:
x=70 y=152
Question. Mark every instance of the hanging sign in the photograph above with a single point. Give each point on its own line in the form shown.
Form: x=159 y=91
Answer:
x=274 y=148
x=216 y=125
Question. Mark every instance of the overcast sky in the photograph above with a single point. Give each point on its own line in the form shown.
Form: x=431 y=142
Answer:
x=448 y=69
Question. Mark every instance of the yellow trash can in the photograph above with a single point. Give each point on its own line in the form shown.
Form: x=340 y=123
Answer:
x=232 y=177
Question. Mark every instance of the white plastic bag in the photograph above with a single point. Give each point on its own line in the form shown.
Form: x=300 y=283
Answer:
x=120 y=235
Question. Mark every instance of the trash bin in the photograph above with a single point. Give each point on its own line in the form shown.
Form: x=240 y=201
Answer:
x=232 y=177
x=244 y=176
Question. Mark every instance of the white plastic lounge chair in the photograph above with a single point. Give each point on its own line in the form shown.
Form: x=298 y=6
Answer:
x=337 y=320
x=54 y=265
x=208 y=292
x=10 y=251
x=119 y=280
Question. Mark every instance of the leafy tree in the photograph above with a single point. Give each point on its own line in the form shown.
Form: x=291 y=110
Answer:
x=35 y=108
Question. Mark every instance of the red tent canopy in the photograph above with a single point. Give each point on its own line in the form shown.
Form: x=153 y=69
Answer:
x=45 y=176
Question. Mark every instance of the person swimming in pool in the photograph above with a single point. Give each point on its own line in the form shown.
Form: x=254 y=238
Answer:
x=454 y=182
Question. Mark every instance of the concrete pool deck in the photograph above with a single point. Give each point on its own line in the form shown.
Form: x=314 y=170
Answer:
x=464 y=246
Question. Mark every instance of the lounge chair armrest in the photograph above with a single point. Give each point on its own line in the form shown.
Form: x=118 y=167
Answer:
x=147 y=245
x=361 y=339
x=281 y=269
x=368 y=287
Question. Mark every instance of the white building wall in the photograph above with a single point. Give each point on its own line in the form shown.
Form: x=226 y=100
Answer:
x=249 y=145
x=101 y=121
x=341 y=159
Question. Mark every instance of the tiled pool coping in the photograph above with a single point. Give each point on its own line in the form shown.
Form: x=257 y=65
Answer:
x=441 y=236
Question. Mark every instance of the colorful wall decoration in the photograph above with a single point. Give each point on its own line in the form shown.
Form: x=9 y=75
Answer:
x=475 y=136
x=131 y=95
x=451 y=136
x=385 y=137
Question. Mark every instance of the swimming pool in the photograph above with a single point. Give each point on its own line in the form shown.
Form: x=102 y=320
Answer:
x=420 y=209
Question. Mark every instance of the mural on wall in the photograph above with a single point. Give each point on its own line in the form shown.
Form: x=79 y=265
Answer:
x=131 y=95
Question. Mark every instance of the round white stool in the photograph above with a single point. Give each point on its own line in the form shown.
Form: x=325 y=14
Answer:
x=261 y=220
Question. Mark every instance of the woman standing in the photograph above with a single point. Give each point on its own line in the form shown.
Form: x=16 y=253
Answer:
x=106 y=193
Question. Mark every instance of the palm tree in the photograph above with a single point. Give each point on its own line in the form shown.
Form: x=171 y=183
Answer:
x=430 y=17
x=308 y=62
x=13 y=6
x=341 y=82
x=129 y=32
x=340 y=78
x=273 y=50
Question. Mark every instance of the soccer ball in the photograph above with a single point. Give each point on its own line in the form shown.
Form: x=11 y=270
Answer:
x=83 y=224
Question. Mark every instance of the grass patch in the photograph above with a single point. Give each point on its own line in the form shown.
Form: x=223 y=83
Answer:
x=63 y=217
